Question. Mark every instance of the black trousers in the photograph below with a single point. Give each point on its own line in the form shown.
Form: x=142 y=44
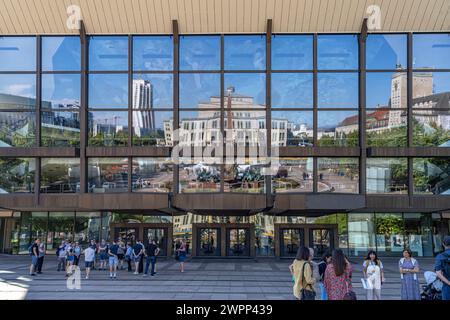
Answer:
x=129 y=264
x=40 y=264
x=141 y=264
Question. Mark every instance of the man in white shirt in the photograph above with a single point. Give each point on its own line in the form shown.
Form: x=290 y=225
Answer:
x=89 y=256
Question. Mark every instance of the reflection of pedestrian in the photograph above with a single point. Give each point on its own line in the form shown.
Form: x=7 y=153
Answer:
x=321 y=176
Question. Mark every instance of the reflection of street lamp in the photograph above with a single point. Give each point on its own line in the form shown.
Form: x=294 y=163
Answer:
x=230 y=91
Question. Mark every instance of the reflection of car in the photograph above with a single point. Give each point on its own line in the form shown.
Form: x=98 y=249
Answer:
x=108 y=185
x=282 y=173
x=304 y=143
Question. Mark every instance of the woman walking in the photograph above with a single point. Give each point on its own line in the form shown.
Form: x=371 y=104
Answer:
x=103 y=252
x=302 y=272
x=338 y=275
x=182 y=254
x=77 y=253
x=409 y=268
x=326 y=260
x=129 y=256
x=374 y=275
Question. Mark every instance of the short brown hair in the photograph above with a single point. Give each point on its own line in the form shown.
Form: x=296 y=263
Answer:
x=409 y=252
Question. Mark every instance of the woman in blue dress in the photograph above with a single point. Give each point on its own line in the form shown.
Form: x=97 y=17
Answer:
x=182 y=251
x=409 y=269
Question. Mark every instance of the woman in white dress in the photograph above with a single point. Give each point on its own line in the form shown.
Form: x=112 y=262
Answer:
x=373 y=275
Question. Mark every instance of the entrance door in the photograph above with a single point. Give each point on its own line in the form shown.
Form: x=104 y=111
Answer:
x=160 y=237
x=238 y=242
x=321 y=240
x=127 y=235
x=290 y=241
x=208 y=242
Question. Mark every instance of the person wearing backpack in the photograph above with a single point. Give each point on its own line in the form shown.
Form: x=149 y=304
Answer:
x=374 y=275
x=442 y=268
x=33 y=250
x=409 y=268
x=326 y=260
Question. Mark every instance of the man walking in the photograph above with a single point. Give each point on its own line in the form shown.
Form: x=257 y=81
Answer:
x=34 y=252
x=41 y=258
x=442 y=268
x=113 y=260
x=89 y=257
x=151 y=251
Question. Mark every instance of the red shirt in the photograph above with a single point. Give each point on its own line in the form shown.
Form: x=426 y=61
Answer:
x=335 y=286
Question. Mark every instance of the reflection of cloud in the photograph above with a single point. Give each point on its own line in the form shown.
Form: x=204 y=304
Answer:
x=19 y=89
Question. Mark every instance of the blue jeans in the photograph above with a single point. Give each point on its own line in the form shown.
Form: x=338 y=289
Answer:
x=151 y=260
x=445 y=292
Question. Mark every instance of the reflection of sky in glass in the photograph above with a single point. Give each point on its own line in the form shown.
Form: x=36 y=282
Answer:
x=17 y=54
x=199 y=53
x=61 y=54
x=23 y=85
x=338 y=90
x=61 y=89
x=108 y=90
x=152 y=53
x=431 y=51
x=337 y=52
x=441 y=82
x=386 y=51
x=245 y=52
x=108 y=53
x=248 y=84
x=162 y=88
x=295 y=117
x=331 y=119
x=119 y=118
x=197 y=88
x=292 y=90
x=292 y=52
x=378 y=86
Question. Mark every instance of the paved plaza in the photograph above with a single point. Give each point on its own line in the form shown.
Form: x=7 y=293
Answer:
x=246 y=279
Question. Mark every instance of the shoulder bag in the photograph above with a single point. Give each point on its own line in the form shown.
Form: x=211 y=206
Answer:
x=304 y=293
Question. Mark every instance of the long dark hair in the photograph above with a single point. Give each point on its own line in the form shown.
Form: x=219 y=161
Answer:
x=302 y=253
x=339 y=263
x=326 y=255
x=372 y=252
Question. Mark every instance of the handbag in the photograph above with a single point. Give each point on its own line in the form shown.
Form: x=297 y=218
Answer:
x=350 y=295
x=304 y=293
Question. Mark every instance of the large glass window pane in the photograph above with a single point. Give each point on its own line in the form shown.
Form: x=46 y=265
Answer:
x=292 y=52
x=432 y=176
x=361 y=233
x=245 y=52
x=200 y=90
x=337 y=52
x=386 y=51
x=387 y=175
x=431 y=90
x=431 y=51
x=152 y=128
x=17 y=91
x=60 y=175
x=247 y=127
x=152 y=91
x=419 y=234
x=152 y=175
x=87 y=227
x=245 y=90
x=106 y=175
x=61 y=53
x=152 y=53
x=198 y=178
x=198 y=128
x=431 y=128
x=293 y=175
x=245 y=177
x=17 y=129
x=17 y=175
x=338 y=90
x=292 y=128
x=389 y=233
x=292 y=90
x=338 y=128
x=340 y=175
x=108 y=91
x=60 y=91
x=386 y=127
x=60 y=228
x=17 y=54
x=108 y=53
x=200 y=53
x=386 y=89
x=60 y=129
x=108 y=128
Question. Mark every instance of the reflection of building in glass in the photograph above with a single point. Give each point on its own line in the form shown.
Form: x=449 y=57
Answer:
x=144 y=115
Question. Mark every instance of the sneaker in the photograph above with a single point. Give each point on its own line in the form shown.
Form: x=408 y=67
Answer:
x=114 y=276
x=39 y=272
x=153 y=275
x=136 y=273
x=32 y=274
x=87 y=277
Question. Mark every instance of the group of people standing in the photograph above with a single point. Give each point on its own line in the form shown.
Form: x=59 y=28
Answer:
x=332 y=276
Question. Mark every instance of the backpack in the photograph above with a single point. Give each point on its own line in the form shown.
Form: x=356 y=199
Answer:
x=30 y=250
x=446 y=262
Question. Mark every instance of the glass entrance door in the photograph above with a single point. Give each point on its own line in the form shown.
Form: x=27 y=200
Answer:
x=321 y=240
x=160 y=237
x=127 y=235
x=209 y=242
x=238 y=242
x=290 y=241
